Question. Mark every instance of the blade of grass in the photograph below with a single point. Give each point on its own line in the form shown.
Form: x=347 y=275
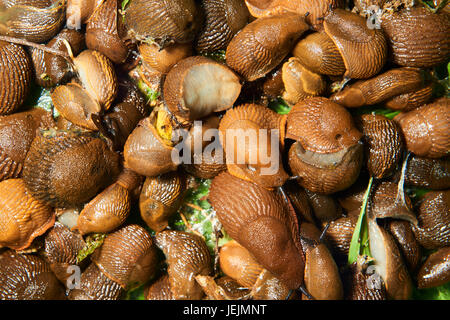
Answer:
x=359 y=244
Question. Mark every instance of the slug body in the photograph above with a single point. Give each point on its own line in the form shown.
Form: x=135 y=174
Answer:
x=261 y=222
x=261 y=45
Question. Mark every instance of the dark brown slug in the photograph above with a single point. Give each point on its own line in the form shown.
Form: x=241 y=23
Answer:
x=408 y=49
x=404 y=236
x=94 y=285
x=433 y=230
x=16 y=73
x=103 y=30
x=263 y=44
x=27 y=277
x=262 y=222
x=128 y=256
x=54 y=173
x=184 y=267
x=223 y=19
x=159 y=290
x=51 y=69
x=61 y=248
x=37 y=21
x=384 y=145
x=362 y=284
x=436 y=269
x=21 y=127
x=162 y=21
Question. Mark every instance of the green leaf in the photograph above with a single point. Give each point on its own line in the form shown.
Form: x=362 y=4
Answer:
x=124 y=4
x=437 y=293
x=360 y=239
x=218 y=55
x=92 y=242
x=279 y=106
x=150 y=94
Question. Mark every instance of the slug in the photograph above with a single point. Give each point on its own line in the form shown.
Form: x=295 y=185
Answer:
x=22 y=216
x=187 y=256
x=253 y=54
x=263 y=223
x=54 y=174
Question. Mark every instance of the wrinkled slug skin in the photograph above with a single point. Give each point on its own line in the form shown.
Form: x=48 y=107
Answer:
x=160 y=289
x=53 y=172
x=417 y=37
x=22 y=217
x=36 y=21
x=384 y=145
x=16 y=72
x=102 y=32
x=433 y=215
x=426 y=129
x=314 y=10
x=184 y=267
x=436 y=269
x=410 y=247
x=363 y=50
x=380 y=88
x=27 y=277
x=128 y=256
x=21 y=127
x=261 y=45
x=163 y=21
x=51 y=69
x=262 y=222
x=94 y=285
x=223 y=19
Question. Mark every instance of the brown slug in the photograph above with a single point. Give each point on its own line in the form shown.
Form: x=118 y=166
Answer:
x=300 y=201
x=162 y=21
x=327 y=155
x=198 y=86
x=384 y=144
x=380 y=88
x=128 y=256
x=162 y=60
x=339 y=235
x=408 y=49
x=300 y=83
x=263 y=44
x=325 y=208
x=22 y=216
x=405 y=239
x=436 y=269
x=160 y=198
x=111 y=207
x=159 y=290
x=103 y=31
x=223 y=19
x=427 y=173
x=146 y=153
x=254 y=159
x=17 y=132
x=239 y=264
x=225 y=288
x=187 y=256
x=363 y=51
x=51 y=69
x=263 y=223
x=314 y=10
x=36 y=21
x=433 y=214
x=27 y=277
x=322 y=278
x=426 y=129
x=54 y=173
x=61 y=248
x=97 y=76
x=94 y=285
x=79 y=11
x=388 y=262
x=16 y=72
